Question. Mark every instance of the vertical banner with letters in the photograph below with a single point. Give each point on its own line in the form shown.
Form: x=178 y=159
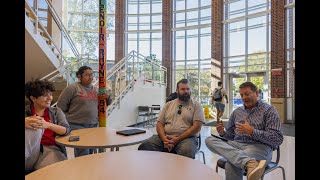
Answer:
x=102 y=105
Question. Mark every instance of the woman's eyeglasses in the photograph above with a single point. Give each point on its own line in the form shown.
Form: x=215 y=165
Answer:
x=179 y=111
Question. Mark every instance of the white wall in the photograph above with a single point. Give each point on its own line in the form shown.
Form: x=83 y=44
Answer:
x=142 y=95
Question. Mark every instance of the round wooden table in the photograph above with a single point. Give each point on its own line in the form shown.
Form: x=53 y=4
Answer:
x=102 y=137
x=127 y=165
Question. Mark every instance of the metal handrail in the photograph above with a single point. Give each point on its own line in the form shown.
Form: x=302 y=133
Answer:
x=62 y=28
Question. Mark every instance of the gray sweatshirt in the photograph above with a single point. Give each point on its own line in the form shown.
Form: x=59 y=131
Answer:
x=80 y=103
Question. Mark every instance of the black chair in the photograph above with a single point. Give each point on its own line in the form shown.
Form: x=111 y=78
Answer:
x=154 y=111
x=270 y=167
x=143 y=111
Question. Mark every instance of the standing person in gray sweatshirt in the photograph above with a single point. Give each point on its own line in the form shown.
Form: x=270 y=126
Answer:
x=79 y=101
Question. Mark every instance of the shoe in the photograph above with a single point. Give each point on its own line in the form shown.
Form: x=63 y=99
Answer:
x=255 y=169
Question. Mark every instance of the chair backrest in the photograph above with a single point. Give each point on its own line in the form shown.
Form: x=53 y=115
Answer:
x=143 y=108
x=157 y=107
x=199 y=142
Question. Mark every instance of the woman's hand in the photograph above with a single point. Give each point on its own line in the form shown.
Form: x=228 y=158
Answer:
x=104 y=95
x=31 y=122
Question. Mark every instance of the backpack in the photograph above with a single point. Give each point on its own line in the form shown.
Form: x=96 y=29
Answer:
x=172 y=96
x=217 y=95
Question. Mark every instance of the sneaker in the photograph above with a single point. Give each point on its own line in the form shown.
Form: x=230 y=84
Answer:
x=255 y=169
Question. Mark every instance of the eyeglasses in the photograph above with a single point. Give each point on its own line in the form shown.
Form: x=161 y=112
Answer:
x=47 y=94
x=179 y=111
x=89 y=75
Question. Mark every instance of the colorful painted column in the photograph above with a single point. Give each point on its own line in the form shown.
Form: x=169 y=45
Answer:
x=102 y=63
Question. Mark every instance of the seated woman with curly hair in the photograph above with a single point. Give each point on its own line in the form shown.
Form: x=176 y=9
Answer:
x=42 y=124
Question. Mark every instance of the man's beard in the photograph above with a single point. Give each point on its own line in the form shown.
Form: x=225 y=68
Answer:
x=184 y=97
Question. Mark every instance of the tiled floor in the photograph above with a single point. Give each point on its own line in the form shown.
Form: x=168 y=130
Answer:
x=287 y=151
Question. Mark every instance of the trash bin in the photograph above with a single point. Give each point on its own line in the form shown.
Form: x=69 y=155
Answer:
x=206 y=111
x=279 y=105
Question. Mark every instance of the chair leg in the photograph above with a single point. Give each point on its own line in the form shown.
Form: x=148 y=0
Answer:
x=283 y=173
x=217 y=168
x=204 y=159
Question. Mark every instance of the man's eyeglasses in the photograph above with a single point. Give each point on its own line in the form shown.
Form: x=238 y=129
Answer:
x=179 y=111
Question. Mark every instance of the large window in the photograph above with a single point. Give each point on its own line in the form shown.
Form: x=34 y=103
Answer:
x=192 y=46
x=290 y=47
x=82 y=23
x=247 y=36
x=143 y=27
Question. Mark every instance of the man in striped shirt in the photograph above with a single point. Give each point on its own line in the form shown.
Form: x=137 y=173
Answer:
x=252 y=133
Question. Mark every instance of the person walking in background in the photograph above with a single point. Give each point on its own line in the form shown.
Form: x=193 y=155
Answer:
x=42 y=124
x=218 y=101
x=252 y=132
x=79 y=101
x=178 y=125
x=260 y=94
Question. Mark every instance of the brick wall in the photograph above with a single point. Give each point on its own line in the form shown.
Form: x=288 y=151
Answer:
x=216 y=42
x=167 y=41
x=278 y=52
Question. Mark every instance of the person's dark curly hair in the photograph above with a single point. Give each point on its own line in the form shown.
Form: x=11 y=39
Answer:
x=82 y=69
x=38 y=88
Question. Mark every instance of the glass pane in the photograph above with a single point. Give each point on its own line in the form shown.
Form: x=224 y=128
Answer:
x=192 y=44
x=132 y=7
x=156 y=6
x=75 y=5
x=236 y=98
x=144 y=22
x=77 y=39
x=144 y=44
x=192 y=65
x=205 y=2
x=110 y=47
x=132 y=22
x=192 y=76
x=110 y=23
x=205 y=84
x=132 y=42
x=180 y=65
x=192 y=4
x=42 y=4
x=91 y=6
x=205 y=16
x=179 y=75
x=205 y=43
x=111 y=6
x=90 y=44
x=257 y=35
x=238 y=63
x=157 y=22
x=255 y=6
x=180 y=19
x=91 y=22
x=237 y=38
x=157 y=45
x=179 y=5
x=180 y=45
x=192 y=18
x=144 y=7
x=74 y=21
x=236 y=9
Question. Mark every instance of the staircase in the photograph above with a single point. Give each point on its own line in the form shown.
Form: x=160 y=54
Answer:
x=43 y=46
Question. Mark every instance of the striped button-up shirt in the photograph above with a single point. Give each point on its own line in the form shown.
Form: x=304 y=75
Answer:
x=263 y=118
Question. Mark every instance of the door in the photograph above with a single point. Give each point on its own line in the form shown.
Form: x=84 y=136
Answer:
x=259 y=79
x=233 y=95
